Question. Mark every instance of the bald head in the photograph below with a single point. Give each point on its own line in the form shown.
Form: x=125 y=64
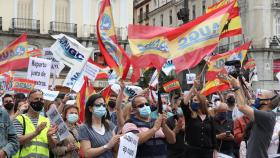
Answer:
x=223 y=107
x=266 y=94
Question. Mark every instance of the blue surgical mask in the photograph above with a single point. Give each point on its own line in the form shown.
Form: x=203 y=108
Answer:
x=222 y=116
x=72 y=118
x=99 y=111
x=169 y=114
x=145 y=111
x=257 y=103
x=195 y=106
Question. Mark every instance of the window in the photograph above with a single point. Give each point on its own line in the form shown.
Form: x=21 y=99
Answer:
x=147 y=11
x=154 y=22
x=62 y=11
x=193 y=12
x=203 y=6
x=25 y=8
x=170 y=17
x=278 y=27
x=141 y=15
x=161 y=19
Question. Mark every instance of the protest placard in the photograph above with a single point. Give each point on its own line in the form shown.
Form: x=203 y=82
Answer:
x=56 y=65
x=49 y=95
x=39 y=70
x=22 y=85
x=128 y=146
x=74 y=80
x=56 y=118
x=168 y=67
x=91 y=71
x=190 y=78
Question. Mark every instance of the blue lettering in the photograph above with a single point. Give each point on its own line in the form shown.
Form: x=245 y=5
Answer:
x=70 y=52
x=154 y=45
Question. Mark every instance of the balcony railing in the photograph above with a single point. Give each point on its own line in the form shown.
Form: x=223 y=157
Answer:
x=27 y=25
x=89 y=31
x=0 y=23
x=276 y=3
x=61 y=27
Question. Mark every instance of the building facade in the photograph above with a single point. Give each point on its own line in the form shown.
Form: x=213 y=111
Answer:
x=261 y=24
x=76 y=18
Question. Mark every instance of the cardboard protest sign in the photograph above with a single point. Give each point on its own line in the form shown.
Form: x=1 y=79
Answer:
x=39 y=70
x=56 y=65
x=70 y=52
x=128 y=145
x=190 y=78
x=22 y=85
x=49 y=95
x=56 y=118
x=91 y=71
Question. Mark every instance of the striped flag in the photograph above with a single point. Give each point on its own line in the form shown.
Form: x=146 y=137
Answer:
x=214 y=86
x=113 y=53
x=171 y=85
x=233 y=25
x=106 y=93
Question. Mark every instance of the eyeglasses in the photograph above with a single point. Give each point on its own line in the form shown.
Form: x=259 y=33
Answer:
x=99 y=105
x=142 y=105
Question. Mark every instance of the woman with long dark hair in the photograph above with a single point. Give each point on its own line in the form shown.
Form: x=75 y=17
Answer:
x=96 y=135
x=200 y=131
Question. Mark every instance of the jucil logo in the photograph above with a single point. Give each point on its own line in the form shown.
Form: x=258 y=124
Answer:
x=70 y=52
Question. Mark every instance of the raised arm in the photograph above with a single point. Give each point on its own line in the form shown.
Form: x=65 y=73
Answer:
x=119 y=112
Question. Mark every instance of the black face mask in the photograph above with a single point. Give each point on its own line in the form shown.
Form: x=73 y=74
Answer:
x=231 y=100
x=9 y=106
x=37 y=106
x=112 y=104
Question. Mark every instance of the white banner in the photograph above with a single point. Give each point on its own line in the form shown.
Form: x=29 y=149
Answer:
x=39 y=70
x=168 y=67
x=49 y=95
x=56 y=118
x=132 y=91
x=128 y=146
x=74 y=80
x=91 y=71
x=190 y=78
x=113 y=78
x=70 y=52
x=56 y=65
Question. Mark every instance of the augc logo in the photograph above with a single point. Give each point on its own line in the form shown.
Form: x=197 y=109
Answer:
x=70 y=52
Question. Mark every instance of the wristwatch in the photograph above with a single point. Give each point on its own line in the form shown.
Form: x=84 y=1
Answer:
x=106 y=147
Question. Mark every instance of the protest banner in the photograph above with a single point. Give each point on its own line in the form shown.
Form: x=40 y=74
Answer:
x=22 y=85
x=56 y=65
x=132 y=91
x=49 y=95
x=128 y=145
x=168 y=67
x=39 y=70
x=91 y=71
x=190 y=78
x=74 y=80
x=70 y=52
x=56 y=118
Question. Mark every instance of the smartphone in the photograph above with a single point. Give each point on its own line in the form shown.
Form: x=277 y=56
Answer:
x=228 y=133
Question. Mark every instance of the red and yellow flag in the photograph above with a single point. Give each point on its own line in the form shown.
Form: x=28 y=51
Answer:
x=16 y=55
x=113 y=53
x=86 y=91
x=186 y=45
x=251 y=63
x=214 y=86
x=22 y=85
x=233 y=25
x=106 y=93
x=217 y=62
x=171 y=85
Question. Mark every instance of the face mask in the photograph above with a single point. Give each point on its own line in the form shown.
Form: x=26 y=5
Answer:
x=164 y=107
x=72 y=118
x=9 y=106
x=231 y=100
x=169 y=114
x=37 y=106
x=99 y=111
x=180 y=111
x=112 y=104
x=222 y=116
x=145 y=111
x=195 y=106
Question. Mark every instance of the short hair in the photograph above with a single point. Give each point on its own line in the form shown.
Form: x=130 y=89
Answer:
x=6 y=96
x=19 y=96
x=67 y=107
x=34 y=91
x=134 y=98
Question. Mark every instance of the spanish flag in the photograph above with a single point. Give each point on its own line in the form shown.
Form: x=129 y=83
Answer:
x=233 y=25
x=171 y=85
x=86 y=91
x=16 y=55
x=22 y=85
x=186 y=45
x=113 y=53
x=214 y=86
x=251 y=63
x=216 y=63
x=106 y=93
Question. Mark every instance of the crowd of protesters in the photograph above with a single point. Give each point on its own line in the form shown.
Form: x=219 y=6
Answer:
x=189 y=126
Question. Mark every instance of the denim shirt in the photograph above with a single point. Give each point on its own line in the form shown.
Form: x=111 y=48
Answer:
x=9 y=142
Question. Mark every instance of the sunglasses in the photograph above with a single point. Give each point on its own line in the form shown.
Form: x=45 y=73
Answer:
x=142 y=105
x=99 y=105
